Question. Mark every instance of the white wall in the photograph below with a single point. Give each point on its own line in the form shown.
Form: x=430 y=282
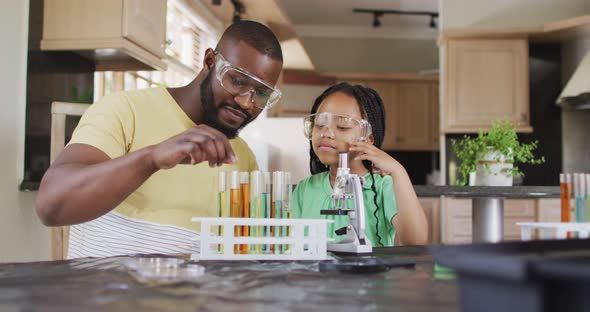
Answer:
x=279 y=145
x=371 y=55
x=22 y=236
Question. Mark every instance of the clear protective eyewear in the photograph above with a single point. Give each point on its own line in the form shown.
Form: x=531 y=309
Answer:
x=338 y=127
x=239 y=82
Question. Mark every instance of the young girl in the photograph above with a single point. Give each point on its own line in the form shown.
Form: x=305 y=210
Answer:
x=339 y=123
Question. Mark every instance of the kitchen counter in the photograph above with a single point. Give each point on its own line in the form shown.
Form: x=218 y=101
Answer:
x=105 y=284
x=487 y=191
x=487 y=208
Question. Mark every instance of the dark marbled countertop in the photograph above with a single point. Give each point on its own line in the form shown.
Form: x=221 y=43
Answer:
x=488 y=191
x=111 y=284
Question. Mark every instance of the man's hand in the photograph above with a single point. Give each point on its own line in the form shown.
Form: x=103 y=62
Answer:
x=195 y=145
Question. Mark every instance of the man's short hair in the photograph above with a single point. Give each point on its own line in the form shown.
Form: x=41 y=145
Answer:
x=255 y=35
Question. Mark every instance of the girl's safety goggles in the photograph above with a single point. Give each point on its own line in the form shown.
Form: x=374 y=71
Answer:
x=337 y=127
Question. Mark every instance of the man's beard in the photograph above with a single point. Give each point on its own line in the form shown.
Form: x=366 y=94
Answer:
x=211 y=111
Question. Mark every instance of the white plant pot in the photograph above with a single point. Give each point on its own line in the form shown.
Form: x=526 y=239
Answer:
x=496 y=174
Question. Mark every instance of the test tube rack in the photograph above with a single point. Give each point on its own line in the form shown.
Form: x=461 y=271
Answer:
x=307 y=239
x=550 y=230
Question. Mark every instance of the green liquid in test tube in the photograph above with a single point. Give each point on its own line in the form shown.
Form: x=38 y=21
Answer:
x=266 y=202
x=256 y=205
x=278 y=180
x=580 y=206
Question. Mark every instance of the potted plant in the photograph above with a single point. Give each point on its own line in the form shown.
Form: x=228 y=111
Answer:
x=492 y=155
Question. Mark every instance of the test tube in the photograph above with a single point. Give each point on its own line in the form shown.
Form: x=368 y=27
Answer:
x=245 y=190
x=257 y=188
x=266 y=208
x=578 y=198
x=278 y=180
x=235 y=204
x=287 y=190
x=565 y=187
x=223 y=202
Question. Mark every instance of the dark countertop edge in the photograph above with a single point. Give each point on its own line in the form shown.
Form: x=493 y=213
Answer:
x=518 y=191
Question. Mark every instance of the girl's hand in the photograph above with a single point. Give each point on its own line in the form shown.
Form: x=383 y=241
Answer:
x=386 y=164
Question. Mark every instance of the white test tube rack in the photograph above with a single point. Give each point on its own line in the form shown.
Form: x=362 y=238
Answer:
x=551 y=230
x=303 y=246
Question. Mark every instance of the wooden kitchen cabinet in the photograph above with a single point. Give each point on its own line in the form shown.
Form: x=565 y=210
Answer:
x=431 y=206
x=116 y=34
x=416 y=111
x=434 y=116
x=486 y=80
x=389 y=93
x=411 y=113
x=549 y=210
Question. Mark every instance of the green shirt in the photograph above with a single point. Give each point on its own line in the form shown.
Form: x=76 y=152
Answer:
x=312 y=194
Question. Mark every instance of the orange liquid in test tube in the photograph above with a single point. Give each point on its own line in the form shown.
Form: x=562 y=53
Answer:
x=565 y=194
x=245 y=190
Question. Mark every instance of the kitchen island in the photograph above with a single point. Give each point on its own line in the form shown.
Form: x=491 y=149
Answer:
x=106 y=284
x=487 y=208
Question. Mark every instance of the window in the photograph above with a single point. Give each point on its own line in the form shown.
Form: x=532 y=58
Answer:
x=70 y=77
x=189 y=35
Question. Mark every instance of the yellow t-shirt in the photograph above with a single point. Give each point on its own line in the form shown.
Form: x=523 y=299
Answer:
x=124 y=122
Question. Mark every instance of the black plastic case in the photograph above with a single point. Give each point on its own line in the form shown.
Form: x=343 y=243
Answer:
x=521 y=276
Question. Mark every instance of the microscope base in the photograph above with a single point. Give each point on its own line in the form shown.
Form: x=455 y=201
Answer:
x=350 y=248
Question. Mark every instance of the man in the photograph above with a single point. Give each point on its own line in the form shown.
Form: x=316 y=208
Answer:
x=142 y=163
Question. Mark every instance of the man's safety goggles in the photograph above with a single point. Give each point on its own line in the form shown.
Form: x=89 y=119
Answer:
x=337 y=127
x=239 y=82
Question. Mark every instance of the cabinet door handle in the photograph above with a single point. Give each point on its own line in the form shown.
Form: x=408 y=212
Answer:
x=523 y=117
x=399 y=139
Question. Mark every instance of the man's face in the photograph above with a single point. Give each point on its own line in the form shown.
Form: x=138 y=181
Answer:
x=224 y=111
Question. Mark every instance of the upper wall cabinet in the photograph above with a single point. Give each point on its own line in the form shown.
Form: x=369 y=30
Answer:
x=418 y=112
x=116 y=34
x=486 y=80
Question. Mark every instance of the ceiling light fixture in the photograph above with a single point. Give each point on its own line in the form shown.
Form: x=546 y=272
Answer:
x=376 y=21
x=238 y=10
x=377 y=13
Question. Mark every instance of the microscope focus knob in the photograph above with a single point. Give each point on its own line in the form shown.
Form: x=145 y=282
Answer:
x=341 y=231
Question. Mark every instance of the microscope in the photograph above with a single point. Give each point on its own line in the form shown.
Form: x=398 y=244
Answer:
x=349 y=186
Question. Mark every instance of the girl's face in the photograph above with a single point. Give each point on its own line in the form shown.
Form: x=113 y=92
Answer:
x=328 y=146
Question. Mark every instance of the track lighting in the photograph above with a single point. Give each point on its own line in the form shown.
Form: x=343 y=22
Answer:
x=379 y=13
x=376 y=21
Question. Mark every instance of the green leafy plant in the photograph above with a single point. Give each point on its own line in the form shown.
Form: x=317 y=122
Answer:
x=500 y=138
